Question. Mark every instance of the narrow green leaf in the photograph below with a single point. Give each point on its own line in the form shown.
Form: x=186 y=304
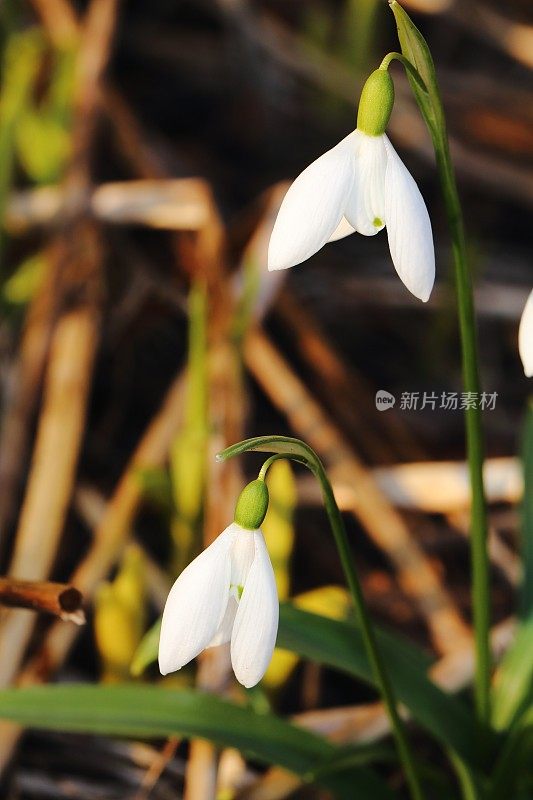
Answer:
x=514 y=759
x=416 y=50
x=513 y=685
x=146 y=653
x=147 y=711
x=526 y=609
x=419 y=660
x=339 y=644
x=20 y=287
x=296 y=449
x=471 y=784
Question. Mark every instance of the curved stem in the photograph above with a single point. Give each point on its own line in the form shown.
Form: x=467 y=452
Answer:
x=408 y=68
x=369 y=637
x=268 y=463
x=286 y=447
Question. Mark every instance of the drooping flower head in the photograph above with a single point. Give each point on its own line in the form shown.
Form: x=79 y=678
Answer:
x=525 y=337
x=227 y=594
x=361 y=185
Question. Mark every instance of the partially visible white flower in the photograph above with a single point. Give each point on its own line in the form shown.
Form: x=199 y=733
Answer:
x=525 y=337
x=361 y=185
x=227 y=594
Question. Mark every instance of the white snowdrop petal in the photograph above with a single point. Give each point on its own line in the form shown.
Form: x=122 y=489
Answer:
x=223 y=633
x=525 y=337
x=196 y=604
x=256 y=623
x=313 y=206
x=365 y=209
x=242 y=555
x=342 y=230
x=408 y=228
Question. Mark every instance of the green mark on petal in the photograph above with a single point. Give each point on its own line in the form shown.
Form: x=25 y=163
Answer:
x=377 y=223
x=237 y=588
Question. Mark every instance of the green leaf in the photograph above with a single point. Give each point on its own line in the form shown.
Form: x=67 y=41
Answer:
x=526 y=609
x=147 y=711
x=43 y=144
x=416 y=50
x=24 y=282
x=513 y=684
x=157 y=487
x=514 y=759
x=339 y=644
x=472 y=786
x=296 y=449
x=146 y=653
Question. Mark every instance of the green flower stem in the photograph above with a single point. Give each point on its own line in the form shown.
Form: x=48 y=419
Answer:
x=369 y=637
x=474 y=432
x=408 y=68
x=302 y=453
x=417 y=55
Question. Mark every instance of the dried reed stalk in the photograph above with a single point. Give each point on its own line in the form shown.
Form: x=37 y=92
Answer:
x=431 y=487
x=202 y=257
x=415 y=574
x=52 y=471
x=109 y=540
x=341 y=384
x=59 y=20
x=72 y=350
x=26 y=381
x=60 y=599
x=163 y=204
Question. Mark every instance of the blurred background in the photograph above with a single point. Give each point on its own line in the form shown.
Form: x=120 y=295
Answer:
x=144 y=152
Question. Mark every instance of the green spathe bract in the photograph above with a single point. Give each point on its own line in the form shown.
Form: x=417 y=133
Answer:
x=252 y=505
x=375 y=105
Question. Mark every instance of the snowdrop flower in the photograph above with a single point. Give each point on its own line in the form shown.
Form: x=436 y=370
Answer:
x=227 y=594
x=361 y=185
x=525 y=337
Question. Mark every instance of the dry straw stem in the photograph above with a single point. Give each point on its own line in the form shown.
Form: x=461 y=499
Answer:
x=203 y=258
x=156 y=768
x=60 y=599
x=500 y=554
x=59 y=19
x=91 y=505
x=69 y=370
x=432 y=487
x=342 y=383
x=109 y=540
x=163 y=203
x=26 y=381
x=52 y=472
x=115 y=525
x=372 y=509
